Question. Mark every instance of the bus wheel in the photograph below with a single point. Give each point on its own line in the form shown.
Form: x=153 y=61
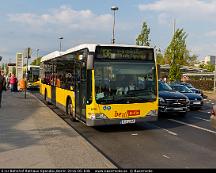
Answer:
x=69 y=110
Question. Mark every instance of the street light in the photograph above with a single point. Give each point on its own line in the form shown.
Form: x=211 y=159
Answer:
x=37 y=52
x=113 y=8
x=60 y=46
x=215 y=76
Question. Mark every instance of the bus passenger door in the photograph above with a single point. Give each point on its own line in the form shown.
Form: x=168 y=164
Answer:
x=80 y=91
x=53 y=87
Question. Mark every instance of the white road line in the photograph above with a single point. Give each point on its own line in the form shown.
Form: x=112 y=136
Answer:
x=134 y=134
x=194 y=126
x=166 y=156
x=202 y=119
x=168 y=131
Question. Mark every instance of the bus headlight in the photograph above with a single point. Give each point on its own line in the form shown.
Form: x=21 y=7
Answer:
x=98 y=116
x=153 y=113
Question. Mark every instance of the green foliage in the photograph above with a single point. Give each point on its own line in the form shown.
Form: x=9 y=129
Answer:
x=7 y=70
x=177 y=54
x=143 y=38
x=209 y=67
x=3 y=66
x=160 y=59
x=177 y=50
x=14 y=70
x=191 y=60
x=36 y=61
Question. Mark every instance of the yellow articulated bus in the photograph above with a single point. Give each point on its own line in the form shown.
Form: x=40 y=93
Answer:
x=33 y=76
x=102 y=84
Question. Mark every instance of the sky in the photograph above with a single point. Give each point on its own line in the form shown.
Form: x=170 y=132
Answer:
x=39 y=24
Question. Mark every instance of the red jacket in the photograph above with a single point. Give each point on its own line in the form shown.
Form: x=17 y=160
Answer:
x=13 y=80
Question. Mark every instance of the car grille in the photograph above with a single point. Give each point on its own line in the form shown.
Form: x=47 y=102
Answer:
x=176 y=102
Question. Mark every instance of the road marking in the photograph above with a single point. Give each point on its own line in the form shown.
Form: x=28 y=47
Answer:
x=134 y=134
x=168 y=131
x=194 y=126
x=202 y=119
x=166 y=156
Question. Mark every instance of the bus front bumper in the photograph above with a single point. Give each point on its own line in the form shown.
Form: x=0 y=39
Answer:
x=101 y=122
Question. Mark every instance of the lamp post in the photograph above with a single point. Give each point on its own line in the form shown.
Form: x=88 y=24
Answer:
x=28 y=53
x=113 y=8
x=215 y=76
x=60 y=43
x=37 y=52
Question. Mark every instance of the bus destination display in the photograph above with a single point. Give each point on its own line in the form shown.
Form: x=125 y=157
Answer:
x=124 y=53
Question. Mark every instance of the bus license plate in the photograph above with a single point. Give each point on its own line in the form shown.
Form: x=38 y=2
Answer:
x=128 y=121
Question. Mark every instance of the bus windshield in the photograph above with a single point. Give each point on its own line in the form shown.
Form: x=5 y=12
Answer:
x=125 y=82
x=34 y=74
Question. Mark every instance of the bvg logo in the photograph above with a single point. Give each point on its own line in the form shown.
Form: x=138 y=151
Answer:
x=133 y=112
x=128 y=113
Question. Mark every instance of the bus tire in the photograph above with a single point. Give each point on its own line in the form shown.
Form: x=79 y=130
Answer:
x=69 y=110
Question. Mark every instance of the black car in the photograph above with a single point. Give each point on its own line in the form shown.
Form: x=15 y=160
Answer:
x=192 y=88
x=196 y=101
x=171 y=101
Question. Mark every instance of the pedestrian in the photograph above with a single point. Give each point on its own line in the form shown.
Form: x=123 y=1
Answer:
x=13 y=83
x=2 y=85
x=8 y=81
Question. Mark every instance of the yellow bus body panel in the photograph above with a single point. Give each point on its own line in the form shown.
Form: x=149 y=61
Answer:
x=118 y=111
x=62 y=95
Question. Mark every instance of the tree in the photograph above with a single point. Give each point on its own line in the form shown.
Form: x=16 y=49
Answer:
x=210 y=67
x=177 y=54
x=143 y=38
x=159 y=58
x=14 y=70
x=191 y=60
x=36 y=61
x=7 y=70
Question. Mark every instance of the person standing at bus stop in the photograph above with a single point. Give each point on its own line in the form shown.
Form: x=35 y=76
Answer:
x=13 y=83
x=2 y=85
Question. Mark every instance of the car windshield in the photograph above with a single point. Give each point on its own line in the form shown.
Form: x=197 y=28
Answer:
x=182 y=89
x=125 y=82
x=164 y=86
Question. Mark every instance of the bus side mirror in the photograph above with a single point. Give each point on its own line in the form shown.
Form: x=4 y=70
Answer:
x=90 y=59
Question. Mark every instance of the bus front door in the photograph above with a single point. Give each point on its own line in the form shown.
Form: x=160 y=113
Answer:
x=80 y=92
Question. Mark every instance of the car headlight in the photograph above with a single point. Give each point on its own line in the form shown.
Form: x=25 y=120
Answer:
x=161 y=99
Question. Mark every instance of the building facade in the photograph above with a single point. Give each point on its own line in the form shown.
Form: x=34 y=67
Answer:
x=210 y=59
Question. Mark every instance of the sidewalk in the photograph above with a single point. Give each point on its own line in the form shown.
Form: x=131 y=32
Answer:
x=210 y=95
x=32 y=136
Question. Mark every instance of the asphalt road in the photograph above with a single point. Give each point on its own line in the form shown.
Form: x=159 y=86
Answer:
x=171 y=142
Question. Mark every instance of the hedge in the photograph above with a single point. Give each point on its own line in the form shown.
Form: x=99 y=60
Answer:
x=206 y=85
